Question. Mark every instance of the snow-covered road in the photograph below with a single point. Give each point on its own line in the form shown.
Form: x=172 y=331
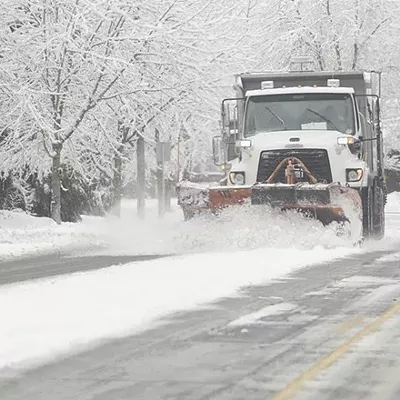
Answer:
x=325 y=332
x=56 y=316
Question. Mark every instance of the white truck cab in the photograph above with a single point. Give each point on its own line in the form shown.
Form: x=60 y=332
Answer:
x=318 y=124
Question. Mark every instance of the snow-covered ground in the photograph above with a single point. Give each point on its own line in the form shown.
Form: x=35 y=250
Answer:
x=393 y=204
x=23 y=235
x=55 y=316
x=392 y=221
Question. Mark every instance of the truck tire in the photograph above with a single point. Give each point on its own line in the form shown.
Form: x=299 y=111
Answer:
x=379 y=213
x=368 y=211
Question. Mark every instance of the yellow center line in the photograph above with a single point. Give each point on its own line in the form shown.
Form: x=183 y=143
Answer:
x=350 y=325
x=294 y=387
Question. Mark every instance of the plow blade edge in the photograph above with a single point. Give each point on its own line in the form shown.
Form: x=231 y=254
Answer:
x=325 y=202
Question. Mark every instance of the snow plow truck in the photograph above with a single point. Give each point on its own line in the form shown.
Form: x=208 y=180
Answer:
x=300 y=140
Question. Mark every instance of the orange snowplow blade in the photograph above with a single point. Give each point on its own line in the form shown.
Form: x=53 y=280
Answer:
x=325 y=214
x=225 y=197
x=222 y=198
x=325 y=202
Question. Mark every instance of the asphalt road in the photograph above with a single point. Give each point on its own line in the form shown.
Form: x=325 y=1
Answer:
x=330 y=331
x=25 y=269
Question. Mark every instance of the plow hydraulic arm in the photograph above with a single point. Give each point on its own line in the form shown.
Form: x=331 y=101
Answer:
x=293 y=165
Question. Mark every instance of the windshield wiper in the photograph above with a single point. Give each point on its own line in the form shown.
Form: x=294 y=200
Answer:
x=324 y=118
x=277 y=117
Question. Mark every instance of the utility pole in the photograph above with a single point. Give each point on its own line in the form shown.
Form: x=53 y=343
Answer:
x=163 y=154
x=141 y=177
x=168 y=189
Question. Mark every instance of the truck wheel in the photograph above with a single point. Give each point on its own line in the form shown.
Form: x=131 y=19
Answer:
x=368 y=211
x=379 y=213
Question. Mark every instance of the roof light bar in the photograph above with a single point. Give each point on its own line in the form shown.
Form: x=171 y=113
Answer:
x=267 y=84
x=333 y=83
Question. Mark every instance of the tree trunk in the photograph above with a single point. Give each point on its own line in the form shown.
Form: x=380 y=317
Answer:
x=355 y=57
x=117 y=184
x=141 y=177
x=56 y=185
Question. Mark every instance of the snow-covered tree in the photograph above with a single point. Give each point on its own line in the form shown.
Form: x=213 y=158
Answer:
x=62 y=60
x=81 y=80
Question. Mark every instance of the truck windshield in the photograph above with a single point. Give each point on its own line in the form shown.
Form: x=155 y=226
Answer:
x=289 y=112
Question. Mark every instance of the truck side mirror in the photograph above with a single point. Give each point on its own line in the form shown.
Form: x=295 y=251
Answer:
x=357 y=146
x=225 y=116
x=230 y=116
x=218 y=150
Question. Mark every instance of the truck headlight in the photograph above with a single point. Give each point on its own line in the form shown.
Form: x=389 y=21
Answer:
x=237 y=178
x=354 y=175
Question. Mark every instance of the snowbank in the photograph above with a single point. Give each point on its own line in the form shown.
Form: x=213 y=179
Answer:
x=53 y=317
x=392 y=234
x=22 y=235
x=25 y=235
x=393 y=203
x=236 y=229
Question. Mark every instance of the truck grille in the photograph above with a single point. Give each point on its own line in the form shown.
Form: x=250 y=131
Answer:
x=316 y=160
